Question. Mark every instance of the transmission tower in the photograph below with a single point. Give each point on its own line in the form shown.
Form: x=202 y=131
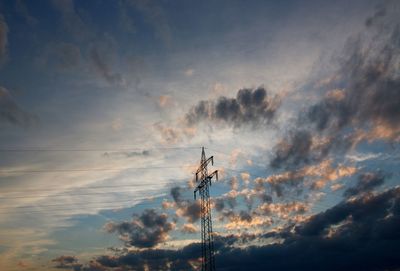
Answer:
x=204 y=181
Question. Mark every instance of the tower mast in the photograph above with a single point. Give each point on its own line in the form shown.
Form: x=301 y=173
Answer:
x=203 y=180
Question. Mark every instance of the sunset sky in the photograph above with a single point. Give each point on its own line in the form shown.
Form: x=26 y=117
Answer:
x=105 y=105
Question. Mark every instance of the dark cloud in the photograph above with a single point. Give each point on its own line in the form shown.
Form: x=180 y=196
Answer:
x=144 y=231
x=294 y=150
x=227 y=201
x=155 y=259
x=366 y=182
x=301 y=147
x=265 y=198
x=176 y=193
x=67 y=262
x=358 y=234
x=251 y=107
x=12 y=113
x=219 y=204
x=188 y=209
x=245 y=216
x=363 y=103
x=363 y=217
x=370 y=83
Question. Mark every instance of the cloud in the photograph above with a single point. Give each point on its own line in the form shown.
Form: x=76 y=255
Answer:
x=188 y=209
x=98 y=58
x=251 y=107
x=318 y=175
x=357 y=234
x=12 y=113
x=370 y=83
x=245 y=220
x=366 y=182
x=219 y=204
x=293 y=150
x=188 y=72
x=379 y=13
x=144 y=231
x=170 y=135
x=225 y=201
x=363 y=103
x=127 y=154
x=234 y=183
x=336 y=187
x=189 y=228
x=165 y=101
x=3 y=39
x=155 y=259
x=176 y=193
x=67 y=262
x=283 y=210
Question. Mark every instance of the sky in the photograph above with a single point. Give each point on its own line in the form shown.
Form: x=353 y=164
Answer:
x=105 y=107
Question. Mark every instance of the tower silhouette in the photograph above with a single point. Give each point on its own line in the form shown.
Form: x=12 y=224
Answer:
x=203 y=180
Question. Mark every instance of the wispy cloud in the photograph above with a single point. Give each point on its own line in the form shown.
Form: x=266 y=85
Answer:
x=12 y=113
x=3 y=39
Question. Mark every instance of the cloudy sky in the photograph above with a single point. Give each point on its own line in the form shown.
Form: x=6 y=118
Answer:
x=105 y=105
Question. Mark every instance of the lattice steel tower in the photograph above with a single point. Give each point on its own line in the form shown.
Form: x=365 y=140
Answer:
x=204 y=181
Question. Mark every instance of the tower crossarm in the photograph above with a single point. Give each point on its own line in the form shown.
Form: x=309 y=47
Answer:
x=204 y=165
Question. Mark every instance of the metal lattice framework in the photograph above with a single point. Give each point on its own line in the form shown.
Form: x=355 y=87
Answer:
x=204 y=182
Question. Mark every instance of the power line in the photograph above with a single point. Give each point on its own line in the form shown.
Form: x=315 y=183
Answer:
x=52 y=209
x=292 y=198
x=72 y=189
x=229 y=155
x=42 y=149
x=95 y=187
x=67 y=203
x=77 y=189
x=90 y=169
x=66 y=195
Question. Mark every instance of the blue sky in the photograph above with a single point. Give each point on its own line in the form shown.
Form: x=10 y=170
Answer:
x=105 y=105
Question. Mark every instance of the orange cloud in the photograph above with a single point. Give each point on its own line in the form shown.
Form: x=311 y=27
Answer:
x=237 y=222
x=189 y=228
x=322 y=172
x=283 y=210
x=336 y=94
x=165 y=101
